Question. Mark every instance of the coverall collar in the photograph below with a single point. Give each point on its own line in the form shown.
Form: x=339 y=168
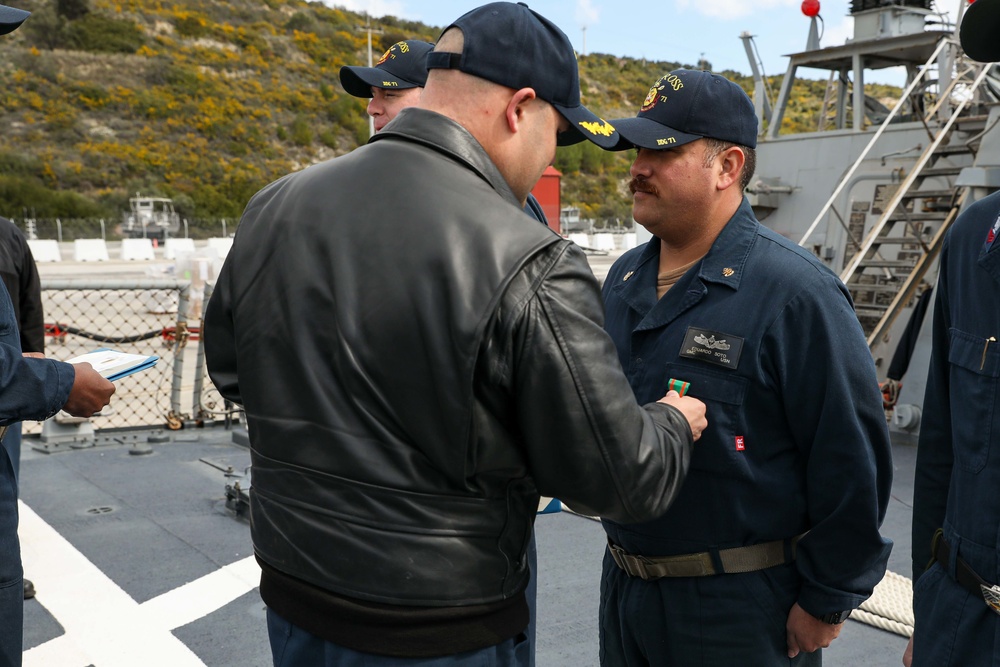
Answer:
x=723 y=264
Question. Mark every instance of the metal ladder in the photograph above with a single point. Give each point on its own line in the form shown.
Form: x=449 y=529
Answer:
x=890 y=262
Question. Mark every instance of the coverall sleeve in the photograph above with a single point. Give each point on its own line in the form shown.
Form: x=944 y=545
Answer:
x=833 y=406
x=935 y=457
x=32 y=389
x=587 y=441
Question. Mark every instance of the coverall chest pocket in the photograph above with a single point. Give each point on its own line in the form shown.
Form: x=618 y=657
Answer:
x=723 y=395
x=975 y=367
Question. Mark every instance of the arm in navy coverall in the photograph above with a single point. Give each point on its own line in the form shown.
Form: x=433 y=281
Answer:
x=36 y=389
x=834 y=410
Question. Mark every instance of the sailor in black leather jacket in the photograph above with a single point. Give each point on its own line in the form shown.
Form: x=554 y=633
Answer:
x=417 y=364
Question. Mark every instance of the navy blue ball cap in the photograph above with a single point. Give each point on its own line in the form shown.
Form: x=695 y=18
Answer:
x=403 y=66
x=980 y=31
x=11 y=18
x=686 y=105
x=511 y=45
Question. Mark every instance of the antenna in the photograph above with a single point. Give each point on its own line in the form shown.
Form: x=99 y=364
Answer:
x=584 y=51
x=368 y=26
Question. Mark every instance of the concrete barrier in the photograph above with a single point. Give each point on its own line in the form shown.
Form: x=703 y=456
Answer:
x=137 y=249
x=174 y=246
x=582 y=240
x=603 y=241
x=221 y=245
x=90 y=250
x=628 y=241
x=45 y=250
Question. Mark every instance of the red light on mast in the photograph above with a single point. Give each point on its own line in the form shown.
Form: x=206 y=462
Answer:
x=810 y=8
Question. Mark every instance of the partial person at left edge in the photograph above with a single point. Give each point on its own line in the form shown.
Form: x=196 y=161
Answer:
x=20 y=277
x=36 y=389
x=395 y=83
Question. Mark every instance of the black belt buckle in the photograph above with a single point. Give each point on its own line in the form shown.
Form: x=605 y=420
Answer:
x=965 y=576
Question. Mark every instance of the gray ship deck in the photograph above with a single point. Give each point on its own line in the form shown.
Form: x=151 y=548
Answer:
x=137 y=561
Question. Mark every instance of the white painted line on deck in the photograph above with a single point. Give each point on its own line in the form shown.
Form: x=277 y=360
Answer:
x=103 y=625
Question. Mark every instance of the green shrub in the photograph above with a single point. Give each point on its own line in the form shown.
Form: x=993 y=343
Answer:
x=18 y=194
x=104 y=34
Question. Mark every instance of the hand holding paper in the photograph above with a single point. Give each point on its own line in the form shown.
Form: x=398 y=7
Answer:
x=90 y=392
x=115 y=365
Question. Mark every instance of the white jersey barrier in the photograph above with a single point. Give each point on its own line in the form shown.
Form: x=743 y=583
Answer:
x=90 y=250
x=45 y=250
x=221 y=245
x=172 y=247
x=603 y=241
x=137 y=249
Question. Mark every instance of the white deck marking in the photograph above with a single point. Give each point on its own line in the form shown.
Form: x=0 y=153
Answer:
x=103 y=625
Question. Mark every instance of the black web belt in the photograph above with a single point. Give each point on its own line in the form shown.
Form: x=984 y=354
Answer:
x=724 y=561
x=965 y=575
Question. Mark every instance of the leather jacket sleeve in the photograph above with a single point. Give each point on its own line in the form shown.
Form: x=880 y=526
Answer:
x=587 y=441
x=220 y=345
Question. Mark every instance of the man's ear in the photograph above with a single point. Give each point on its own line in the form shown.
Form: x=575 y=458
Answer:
x=516 y=107
x=731 y=163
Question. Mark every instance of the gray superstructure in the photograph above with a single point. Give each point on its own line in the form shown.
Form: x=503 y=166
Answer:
x=872 y=193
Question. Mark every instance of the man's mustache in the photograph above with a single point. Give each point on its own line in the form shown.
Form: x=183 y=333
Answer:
x=639 y=184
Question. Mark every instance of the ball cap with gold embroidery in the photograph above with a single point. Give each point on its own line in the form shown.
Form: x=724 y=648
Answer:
x=686 y=105
x=980 y=31
x=511 y=45
x=403 y=66
x=11 y=18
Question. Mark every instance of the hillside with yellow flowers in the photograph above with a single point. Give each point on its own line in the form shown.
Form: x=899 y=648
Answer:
x=206 y=101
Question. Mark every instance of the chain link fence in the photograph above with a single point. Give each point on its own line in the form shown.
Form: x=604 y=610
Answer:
x=147 y=317
x=70 y=229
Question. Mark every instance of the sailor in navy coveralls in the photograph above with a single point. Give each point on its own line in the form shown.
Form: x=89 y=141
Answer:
x=774 y=537
x=956 y=490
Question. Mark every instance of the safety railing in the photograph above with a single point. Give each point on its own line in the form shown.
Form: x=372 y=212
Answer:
x=148 y=317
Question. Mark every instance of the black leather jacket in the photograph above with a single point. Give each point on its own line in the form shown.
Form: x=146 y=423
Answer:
x=418 y=360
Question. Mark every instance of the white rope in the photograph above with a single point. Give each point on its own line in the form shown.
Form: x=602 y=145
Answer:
x=890 y=607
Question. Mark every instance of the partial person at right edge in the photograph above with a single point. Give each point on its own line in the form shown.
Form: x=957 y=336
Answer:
x=956 y=502
x=412 y=384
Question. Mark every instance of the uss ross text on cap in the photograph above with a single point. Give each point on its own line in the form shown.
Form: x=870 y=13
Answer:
x=511 y=45
x=686 y=105
x=980 y=31
x=403 y=65
x=11 y=18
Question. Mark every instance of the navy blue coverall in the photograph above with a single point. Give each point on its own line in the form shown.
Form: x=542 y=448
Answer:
x=957 y=480
x=29 y=389
x=796 y=444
